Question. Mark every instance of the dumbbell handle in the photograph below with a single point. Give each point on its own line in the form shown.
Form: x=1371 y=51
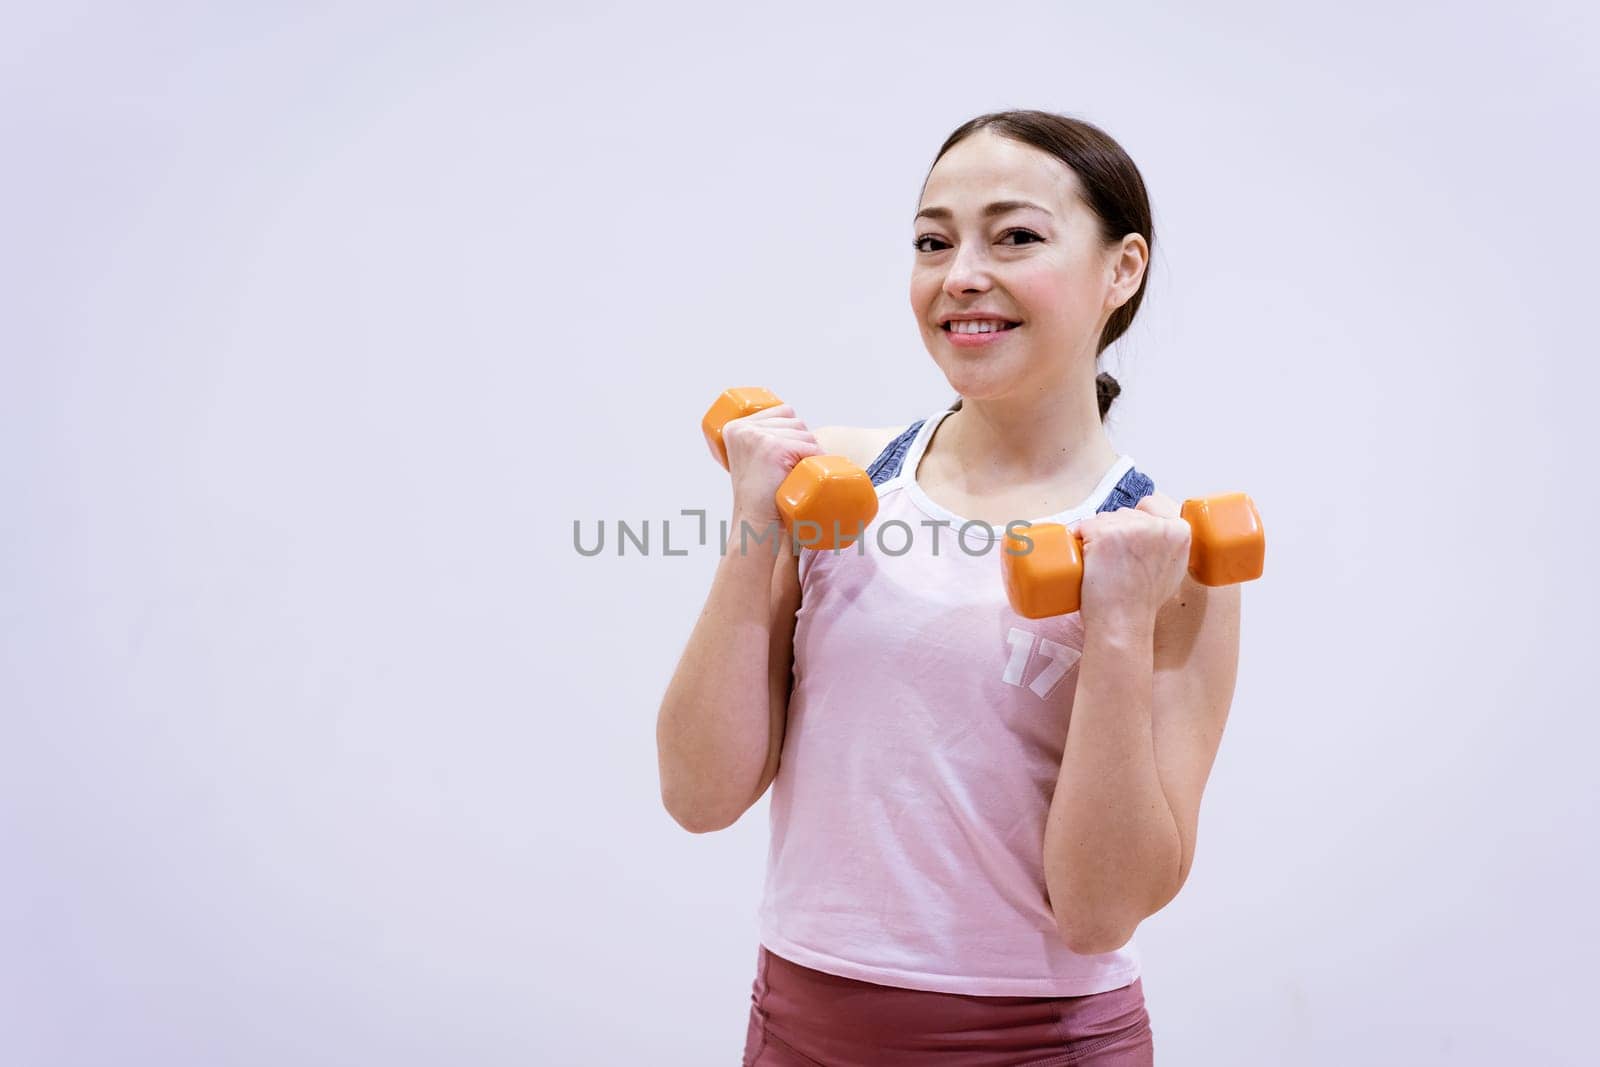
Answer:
x=1043 y=568
x=830 y=495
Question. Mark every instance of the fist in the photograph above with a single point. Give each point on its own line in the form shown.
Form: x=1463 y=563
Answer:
x=762 y=449
x=1134 y=561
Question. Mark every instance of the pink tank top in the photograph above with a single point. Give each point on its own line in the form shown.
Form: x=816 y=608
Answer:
x=925 y=732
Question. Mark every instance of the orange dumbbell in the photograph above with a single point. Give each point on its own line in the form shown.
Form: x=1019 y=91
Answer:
x=1226 y=545
x=826 y=501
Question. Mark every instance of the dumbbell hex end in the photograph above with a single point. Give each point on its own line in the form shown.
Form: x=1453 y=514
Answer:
x=1043 y=572
x=733 y=404
x=1227 y=543
x=827 y=501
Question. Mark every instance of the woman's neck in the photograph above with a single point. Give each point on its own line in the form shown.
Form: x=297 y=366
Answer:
x=1026 y=440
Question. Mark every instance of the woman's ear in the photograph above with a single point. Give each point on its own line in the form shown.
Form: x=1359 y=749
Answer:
x=1128 y=269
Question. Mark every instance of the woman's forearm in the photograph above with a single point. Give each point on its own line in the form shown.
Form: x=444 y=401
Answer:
x=713 y=724
x=1111 y=846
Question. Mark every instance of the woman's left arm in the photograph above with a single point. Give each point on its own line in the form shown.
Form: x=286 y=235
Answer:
x=1155 y=683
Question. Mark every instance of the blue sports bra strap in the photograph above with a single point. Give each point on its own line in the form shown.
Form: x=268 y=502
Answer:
x=1131 y=488
x=887 y=465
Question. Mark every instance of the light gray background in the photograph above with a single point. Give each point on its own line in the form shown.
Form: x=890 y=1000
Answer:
x=319 y=744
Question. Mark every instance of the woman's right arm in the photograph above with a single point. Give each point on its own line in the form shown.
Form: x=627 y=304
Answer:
x=722 y=721
x=720 y=729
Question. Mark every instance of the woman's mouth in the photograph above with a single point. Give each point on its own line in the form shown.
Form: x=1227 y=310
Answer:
x=976 y=334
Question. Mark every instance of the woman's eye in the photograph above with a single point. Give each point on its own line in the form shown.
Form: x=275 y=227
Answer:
x=920 y=243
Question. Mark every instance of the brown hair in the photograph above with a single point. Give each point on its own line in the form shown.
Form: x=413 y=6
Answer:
x=1112 y=187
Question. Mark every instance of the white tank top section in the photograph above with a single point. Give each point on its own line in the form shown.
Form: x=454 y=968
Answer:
x=925 y=733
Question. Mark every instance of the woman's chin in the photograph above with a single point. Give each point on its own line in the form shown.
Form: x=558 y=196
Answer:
x=978 y=381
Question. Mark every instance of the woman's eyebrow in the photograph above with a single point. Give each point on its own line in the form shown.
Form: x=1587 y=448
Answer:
x=999 y=207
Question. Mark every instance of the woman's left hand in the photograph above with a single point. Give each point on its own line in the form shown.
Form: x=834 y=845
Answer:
x=1134 y=561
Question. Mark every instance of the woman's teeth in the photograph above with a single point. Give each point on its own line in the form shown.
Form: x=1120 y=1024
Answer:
x=978 y=327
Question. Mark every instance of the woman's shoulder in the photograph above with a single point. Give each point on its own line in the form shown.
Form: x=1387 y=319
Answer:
x=860 y=445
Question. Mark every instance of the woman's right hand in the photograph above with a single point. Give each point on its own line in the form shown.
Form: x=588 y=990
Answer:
x=762 y=449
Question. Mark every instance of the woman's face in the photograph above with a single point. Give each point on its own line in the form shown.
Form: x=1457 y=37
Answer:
x=1042 y=266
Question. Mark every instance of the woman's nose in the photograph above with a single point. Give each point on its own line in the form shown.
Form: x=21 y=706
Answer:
x=968 y=273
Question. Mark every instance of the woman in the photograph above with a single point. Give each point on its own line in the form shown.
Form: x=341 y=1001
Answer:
x=954 y=875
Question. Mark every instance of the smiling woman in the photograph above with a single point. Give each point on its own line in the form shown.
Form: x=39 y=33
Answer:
x=955 y=876
x=1091 y=198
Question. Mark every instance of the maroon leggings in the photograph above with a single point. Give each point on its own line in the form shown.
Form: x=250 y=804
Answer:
x=801 y=1017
